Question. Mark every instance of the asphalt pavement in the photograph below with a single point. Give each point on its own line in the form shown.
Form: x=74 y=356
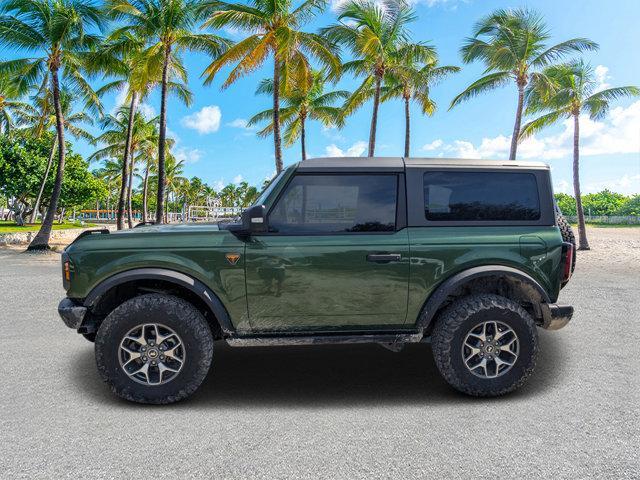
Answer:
x=324 y=411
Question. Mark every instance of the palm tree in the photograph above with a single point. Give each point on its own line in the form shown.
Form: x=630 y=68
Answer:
x=11 y=106
x=373 y=33
x=273 y=28
x=168 y=26
x=138 y=70
x=565 y=91
x=43 y=119
x=58 y=30
x=305 y=102
x=122 y=133
x=512 y=45
x=411 y=79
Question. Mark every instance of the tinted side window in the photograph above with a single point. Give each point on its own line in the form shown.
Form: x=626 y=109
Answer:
x=335 y=204
x=481 y=196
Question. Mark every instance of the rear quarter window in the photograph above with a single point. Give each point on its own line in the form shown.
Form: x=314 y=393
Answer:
x=481 y=196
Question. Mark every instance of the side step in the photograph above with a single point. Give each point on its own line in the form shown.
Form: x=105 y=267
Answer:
x=326 y=339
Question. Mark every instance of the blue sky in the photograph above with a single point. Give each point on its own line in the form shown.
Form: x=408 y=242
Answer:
x=220 y=150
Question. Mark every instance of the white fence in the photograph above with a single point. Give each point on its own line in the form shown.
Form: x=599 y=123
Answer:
x=607 y=219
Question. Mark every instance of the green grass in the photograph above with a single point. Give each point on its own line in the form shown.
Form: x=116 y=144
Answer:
x=11 y=227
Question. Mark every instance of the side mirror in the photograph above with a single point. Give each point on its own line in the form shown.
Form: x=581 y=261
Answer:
x=254 y=219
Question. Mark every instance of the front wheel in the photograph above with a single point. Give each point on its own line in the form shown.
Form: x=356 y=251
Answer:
x=485 y=345
x=154 y=349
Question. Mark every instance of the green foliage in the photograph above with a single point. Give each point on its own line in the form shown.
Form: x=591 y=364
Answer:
x=605 y=202
x=566 y=203
x=23 y=161
x=631 y=206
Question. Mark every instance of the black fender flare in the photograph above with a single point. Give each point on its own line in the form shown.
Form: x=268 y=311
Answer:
x=172 y=276
x=440 y=294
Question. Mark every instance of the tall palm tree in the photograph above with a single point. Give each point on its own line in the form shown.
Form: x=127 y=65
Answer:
x=411 y=79
x=512 y=45
x=58 y=31
x=122 y=133
x=138 y=70
x=565 y=91
x=373 y=33
x=169 y=27
x=273 y=29
x=43 y=119
x=301 y=103
x=12 y=108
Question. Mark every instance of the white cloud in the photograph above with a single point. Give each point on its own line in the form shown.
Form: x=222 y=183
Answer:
x=147 y=111
x=237 y=179
x=354 y=150
x=563 y=186
x=602 y=75
x=627 y=184
x=207 y=120
x=619 y=133
x=436 y=144
x=238 y=123
x=188 y=155
x=336 y=4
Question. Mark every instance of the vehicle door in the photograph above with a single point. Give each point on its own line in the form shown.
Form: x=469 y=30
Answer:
x=335 y=255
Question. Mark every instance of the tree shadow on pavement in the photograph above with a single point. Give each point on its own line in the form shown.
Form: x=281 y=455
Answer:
x=326 y=376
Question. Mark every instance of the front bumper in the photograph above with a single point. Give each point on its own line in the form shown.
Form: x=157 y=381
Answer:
x=556 y=316
x=71 y=313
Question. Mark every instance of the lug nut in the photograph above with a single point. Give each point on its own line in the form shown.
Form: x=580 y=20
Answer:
x=161 y=357
x=151 y=343
x=153 y=363
x=144 y=359
x=144 y=349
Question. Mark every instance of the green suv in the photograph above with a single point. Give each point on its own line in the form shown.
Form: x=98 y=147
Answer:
x=467 y=255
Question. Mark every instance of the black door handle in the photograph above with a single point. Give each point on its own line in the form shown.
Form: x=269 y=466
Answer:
x=383 y=257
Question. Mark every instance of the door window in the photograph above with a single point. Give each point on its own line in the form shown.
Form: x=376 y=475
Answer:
x=314 y=204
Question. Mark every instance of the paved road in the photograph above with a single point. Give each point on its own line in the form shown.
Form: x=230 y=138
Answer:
x=323 y=412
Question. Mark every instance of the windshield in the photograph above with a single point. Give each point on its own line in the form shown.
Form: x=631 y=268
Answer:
x=268 y=189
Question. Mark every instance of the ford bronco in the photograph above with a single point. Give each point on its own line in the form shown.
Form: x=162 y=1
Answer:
x=468 y=255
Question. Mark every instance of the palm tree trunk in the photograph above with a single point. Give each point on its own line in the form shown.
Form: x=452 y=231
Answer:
x=583 y=243
x=303 y=137
x=407 y=127
x=36 y=206
x=145 y=185
x=516 y=126
x=125 y=163
x=129 y=191
x=374 y=117
x=162 y=136
x=41 y=240
x=276 y=114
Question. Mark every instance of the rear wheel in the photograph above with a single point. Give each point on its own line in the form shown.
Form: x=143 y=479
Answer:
x=485 y=345
x=154 y=349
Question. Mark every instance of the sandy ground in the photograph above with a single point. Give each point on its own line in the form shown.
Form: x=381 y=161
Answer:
x=329 y=411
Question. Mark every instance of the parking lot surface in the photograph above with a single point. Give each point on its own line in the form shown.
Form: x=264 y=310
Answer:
x=328 y=411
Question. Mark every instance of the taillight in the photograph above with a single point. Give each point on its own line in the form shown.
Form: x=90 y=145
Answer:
x=568 y=262
x=67 y=271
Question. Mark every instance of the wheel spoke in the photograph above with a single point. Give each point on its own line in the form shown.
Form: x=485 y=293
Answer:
x=490 y=349
x=141 y=350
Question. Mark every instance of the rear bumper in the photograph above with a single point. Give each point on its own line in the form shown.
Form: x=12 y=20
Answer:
x=71 y=313
x=556 y=316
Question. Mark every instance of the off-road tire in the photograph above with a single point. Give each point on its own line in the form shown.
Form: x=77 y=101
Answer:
x=567 y=235
x=179 y=315
x=91 y=337
x=458 y=319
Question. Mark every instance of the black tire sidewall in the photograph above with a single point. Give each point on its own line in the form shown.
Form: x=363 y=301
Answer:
x=173 y=312
x=526 y=354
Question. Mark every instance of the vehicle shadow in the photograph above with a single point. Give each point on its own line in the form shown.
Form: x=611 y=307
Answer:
x=326 y=376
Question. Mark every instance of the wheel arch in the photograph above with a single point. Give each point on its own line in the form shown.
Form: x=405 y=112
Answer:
x=125 y=285
x=497 y=279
